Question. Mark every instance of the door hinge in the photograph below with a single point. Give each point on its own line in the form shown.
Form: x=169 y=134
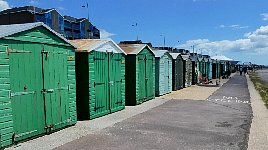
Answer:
x=97 y=84
x=96 y=108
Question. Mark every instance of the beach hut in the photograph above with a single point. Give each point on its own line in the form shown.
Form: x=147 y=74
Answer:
x=163 y=72
x=208 y=66
x=37 y=81
x=195 y=67
x=140 y=73
x=201 y=63
x=100 y=71
x=221 y=63
x=187 y=70
x=177 y=71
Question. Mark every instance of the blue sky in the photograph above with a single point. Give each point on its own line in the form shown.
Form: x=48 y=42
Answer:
x=234 y=28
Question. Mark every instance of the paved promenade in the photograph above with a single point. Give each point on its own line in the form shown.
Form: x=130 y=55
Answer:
x=220 y=122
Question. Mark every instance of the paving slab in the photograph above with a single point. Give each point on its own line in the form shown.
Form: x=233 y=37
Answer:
x=258 y=137
x=220 y=122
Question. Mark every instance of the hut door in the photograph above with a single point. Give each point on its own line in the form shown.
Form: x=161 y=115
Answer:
x=142 y=78
x=55 y=88
x=26 y=84
x=166 y=75
x=149 y=77
x=115 y=82
x=101 y=65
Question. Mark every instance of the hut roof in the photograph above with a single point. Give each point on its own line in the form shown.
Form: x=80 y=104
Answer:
x=175 y=55
x=134 y=48
x=7 y=30
x=88 y=45
x=160 y=53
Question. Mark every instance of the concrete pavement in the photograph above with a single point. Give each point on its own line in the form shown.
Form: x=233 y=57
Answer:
x=220 y=122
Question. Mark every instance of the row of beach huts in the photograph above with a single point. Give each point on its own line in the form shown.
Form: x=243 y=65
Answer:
x=48 y=83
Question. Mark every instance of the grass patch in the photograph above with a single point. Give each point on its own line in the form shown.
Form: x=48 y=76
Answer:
x=260 y=86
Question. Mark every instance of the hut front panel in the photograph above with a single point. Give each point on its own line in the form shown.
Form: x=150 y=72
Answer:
x=189 y=72
x=165 y=76
x=71 y=86
x=145 y=76
x=141 y=77
x=116 y=81
x=55 y=77
x=39 y=83
x=157 y=76
x=98 y=84
x=150 y=76
x=26 y=81
x=6 y=120
x=106 y=83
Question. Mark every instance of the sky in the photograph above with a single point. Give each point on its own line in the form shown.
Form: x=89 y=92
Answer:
x=237 y=29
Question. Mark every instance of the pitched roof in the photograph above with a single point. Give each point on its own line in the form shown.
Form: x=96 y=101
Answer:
x=88 y=45
x=134 y=48
x=175 y=55
x=7 y=30
x=160 y=53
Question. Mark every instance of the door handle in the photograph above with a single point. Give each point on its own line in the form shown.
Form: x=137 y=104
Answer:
x=47 y=90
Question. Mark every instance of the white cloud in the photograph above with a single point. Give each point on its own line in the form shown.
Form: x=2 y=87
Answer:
x=105 y=35
x=61 y=8
x=33 y=2
x=264 y=16
x=4 y=5
x=252 y=43
x=233 y=26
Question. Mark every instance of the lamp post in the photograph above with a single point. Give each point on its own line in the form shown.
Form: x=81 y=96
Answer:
x=193 y=47
x=86 y=6
x=136 y=26
x=164 y=39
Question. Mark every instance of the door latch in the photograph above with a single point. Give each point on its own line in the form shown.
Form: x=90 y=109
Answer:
x=47 y=90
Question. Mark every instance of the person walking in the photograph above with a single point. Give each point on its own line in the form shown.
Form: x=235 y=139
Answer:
x=240 y=70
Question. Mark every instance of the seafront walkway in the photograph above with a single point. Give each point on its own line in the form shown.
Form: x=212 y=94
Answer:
x=220 y=122
x=193 y=118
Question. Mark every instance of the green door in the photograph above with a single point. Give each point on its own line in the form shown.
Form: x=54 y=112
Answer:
x=149 y=79
x=142 y=77
x=115 y=82
x=101 y=105
x=26 y=85
x=55 y=87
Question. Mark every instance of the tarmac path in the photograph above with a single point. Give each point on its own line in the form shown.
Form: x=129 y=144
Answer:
x=220 y=122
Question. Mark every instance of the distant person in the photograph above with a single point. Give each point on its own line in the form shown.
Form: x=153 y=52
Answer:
x=245 y=70
x=240 y=70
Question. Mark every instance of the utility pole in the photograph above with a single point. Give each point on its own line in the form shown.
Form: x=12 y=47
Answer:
x=193 y=48
x=136 y=26
x=86 y=6
x=164 y=39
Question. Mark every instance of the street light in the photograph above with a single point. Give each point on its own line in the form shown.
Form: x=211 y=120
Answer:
x=86 y=6
x=136 y=25
x=193 y=48
x=164 y=39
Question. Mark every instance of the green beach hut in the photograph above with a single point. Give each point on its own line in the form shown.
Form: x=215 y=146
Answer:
x=37 y=81
x=140 y=73
x=100 y=72
x=177 y=71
